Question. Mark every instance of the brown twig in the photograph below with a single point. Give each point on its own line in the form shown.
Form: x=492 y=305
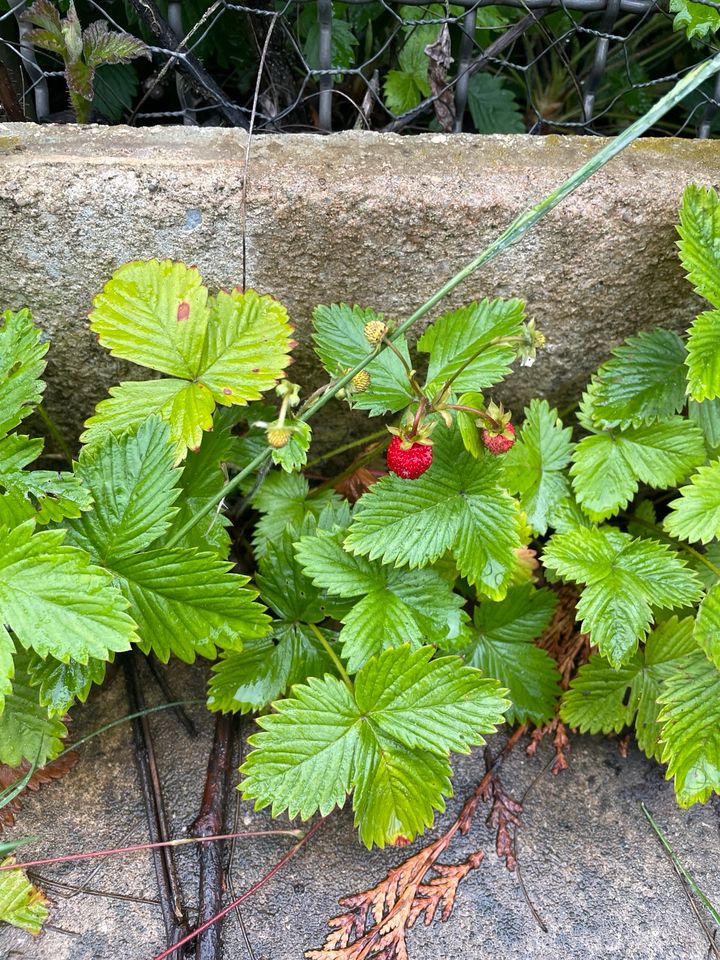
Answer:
x=209 y=822
x=162 y=681
x=176 y=923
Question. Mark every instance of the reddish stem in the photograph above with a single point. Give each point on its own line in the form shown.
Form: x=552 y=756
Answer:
x=145 y=846
x=419 y=413
x=245 y=896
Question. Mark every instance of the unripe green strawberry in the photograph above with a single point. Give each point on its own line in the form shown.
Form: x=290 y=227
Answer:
x=361 y=381
x=278 y=437
x=375 y=330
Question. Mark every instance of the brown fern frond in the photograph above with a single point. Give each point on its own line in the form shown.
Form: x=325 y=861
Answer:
x=504 y=817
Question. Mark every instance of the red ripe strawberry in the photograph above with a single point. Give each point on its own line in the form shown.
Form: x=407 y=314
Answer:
x=499 y=442
x=408 y=462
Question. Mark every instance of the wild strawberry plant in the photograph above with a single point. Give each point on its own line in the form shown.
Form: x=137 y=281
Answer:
x=376 y=637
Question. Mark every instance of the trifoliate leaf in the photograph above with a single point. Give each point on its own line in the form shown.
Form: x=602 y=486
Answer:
x=325 y=741
x=604 y=700
x=462 y=340
x=187 y=603
x=56 y=602
x=21 y=366
x=284 y=500
x=534 y=467
x=642 y=383
x=61 y=684
x=459 y=504
x=690 y=719
x=624 y=579
x=502 y=647
x=26 y=730
x=695 y=514
x=264 y=669
x=225 y=349
x=393 y=606
x=707 y=624
x=703 y=351
x=21 y=904
x=493 y=107
x=293 y=456
x=696 y=19
x=699 y=230
x=608 y=467
x=341 y=344
x=134 y=486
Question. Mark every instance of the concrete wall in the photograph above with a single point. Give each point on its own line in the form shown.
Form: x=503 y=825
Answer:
x=376 y=219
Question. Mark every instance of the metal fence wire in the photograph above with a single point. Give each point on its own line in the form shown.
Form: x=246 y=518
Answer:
x=537 y=66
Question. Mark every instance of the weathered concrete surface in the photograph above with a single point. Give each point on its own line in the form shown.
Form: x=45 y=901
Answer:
x=591 y=865
x=376 y=219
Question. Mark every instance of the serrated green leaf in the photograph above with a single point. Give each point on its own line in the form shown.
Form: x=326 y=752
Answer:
x=401 y=792
x=699 y=228
x=707 y=625
x=608 y=467
x=462 y=340
x=293 y=456
x=324 y=741
x=21 y=366
x=467 y=423
x=534 y=467
x=340 y=344
x=707 y=416
x=103 y=46
x=392 y=607
x=130 y=404
x=624 y=579
x=26 y=730
x=493 y=107
x=154 y=313
x=264 y=669
x=402 y=91
x=61 y=684
x=459 y=505
x=696 y=19
x=603 y=700
x=45 y=496
x=502 y=647
x=201 y=479
x=285 y=588
x=642 y=383
x=21 y=904
x=695 y=514
x=284 y=501
x=7 y=664
x=690 y=719
x=342 y=49
x=230 y=347
x=187 y=603
x=703 y=350
x=134 y=487
x=55 y=601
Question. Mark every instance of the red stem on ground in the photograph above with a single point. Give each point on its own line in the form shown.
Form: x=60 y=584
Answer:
x=245 y=896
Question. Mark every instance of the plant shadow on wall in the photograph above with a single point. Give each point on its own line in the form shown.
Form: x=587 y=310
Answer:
x=393 y=617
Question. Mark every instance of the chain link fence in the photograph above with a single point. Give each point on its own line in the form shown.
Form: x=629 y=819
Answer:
x=537 y=66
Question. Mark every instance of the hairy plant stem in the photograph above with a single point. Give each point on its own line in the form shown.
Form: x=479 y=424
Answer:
x=334 y=657
x=54 y=432
x=483 y=414
x=691 y=551
x=512 y=233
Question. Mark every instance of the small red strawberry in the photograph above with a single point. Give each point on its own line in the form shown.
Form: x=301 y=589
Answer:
x=407 y=459
x=498 y=443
